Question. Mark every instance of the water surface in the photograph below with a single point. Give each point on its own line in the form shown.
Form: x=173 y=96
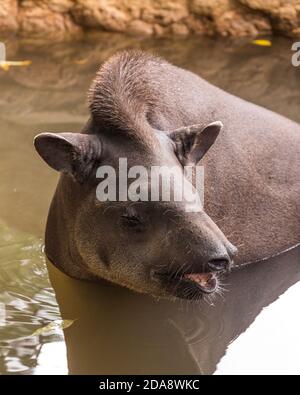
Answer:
x=253 y=328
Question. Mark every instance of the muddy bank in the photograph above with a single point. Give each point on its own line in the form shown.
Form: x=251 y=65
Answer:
x=61 y=19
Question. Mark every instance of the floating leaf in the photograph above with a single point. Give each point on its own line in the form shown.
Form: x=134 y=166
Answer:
x=6 y=64
x=57 y=324
x=262 y=43
x=81 y=61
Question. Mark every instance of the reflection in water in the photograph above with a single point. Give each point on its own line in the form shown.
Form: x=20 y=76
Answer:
x=118 y=331
x=27 y=301
x=271 y=344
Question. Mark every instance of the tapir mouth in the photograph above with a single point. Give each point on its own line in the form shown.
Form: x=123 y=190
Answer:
x=190 y=285
x=206 y=282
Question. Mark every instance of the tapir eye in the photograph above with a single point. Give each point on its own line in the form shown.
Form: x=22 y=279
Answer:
x=132 y=221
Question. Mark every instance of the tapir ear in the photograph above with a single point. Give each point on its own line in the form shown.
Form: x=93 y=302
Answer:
x=72 y=153
x=192 y=142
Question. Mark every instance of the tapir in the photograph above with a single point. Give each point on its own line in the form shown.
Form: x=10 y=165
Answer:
x=153 y=113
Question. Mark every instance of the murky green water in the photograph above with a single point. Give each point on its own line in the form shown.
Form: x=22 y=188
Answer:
x=250 y=330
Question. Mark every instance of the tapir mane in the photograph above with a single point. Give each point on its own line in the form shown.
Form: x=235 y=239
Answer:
x=124 y=93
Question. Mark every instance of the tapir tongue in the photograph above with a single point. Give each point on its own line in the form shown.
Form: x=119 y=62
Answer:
x=206 y=281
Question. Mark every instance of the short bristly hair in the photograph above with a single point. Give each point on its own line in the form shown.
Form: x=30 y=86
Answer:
x=124 y=93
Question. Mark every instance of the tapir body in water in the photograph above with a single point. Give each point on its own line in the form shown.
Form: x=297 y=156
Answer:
x=155 y=114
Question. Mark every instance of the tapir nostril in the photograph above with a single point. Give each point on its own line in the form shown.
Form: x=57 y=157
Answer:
x=219 y=264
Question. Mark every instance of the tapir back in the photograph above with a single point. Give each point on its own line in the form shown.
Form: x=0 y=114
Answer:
x=252 y=173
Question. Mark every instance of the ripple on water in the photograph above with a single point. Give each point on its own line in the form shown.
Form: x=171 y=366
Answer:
x=27 y=302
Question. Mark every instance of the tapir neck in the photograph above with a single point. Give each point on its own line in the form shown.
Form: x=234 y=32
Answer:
x=60 y=247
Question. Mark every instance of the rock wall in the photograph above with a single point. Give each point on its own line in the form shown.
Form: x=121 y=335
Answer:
x=59 y=19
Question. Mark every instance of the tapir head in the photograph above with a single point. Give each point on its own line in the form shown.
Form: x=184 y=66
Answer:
x=154 y=246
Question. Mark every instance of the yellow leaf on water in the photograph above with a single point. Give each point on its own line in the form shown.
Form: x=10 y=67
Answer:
x=81 y=61
x=262 y=43
x=57 y=324
x=6 y=64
